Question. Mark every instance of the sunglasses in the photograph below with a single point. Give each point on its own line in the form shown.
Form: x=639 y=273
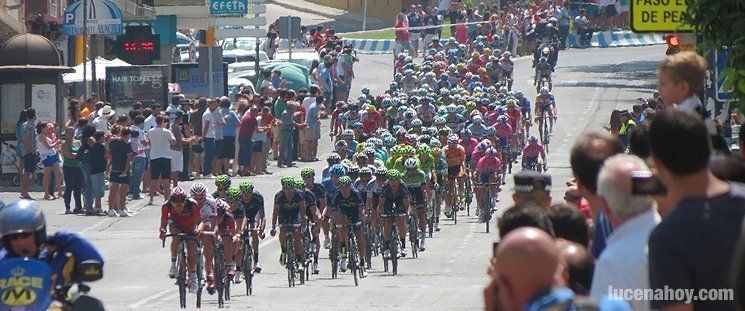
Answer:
x=198 y=197
x=21 y=235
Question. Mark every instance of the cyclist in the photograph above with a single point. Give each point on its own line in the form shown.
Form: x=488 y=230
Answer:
x=333 y=158
x=506 y=67
x=373 y=195
x=455 y=157
x=527 y=117
x=23 y=232
x=531 y=151
x=477 y=127
x=441 y=170
x=394 y=202
x=416 y=183
x=453 y=119
x=331 y=185
x=313 y=217
x=543 y=70
x=545 y=103
x=222 y=183
x=488 y=170
x=360 y=184
x=208 y=211
x=225 y=230
x=503 y=131
x=251 y=207
x=348 y=202
x=181 y=215
x=308 y=175
x=288 y=206
x=515 y=116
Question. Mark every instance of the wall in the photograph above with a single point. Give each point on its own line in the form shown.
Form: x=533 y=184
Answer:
x=381 y=9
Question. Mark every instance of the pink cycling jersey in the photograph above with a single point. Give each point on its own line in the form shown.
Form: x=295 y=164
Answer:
x=532 y=151
x=469 y=144
x=503 y=130
x=488 y=165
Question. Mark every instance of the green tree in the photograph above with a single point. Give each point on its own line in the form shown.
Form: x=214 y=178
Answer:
x=721 y=23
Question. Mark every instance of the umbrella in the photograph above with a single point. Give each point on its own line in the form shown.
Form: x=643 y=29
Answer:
x=296 y=76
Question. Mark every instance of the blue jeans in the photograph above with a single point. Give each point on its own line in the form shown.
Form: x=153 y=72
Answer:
x=135 y=176
x=88 y=185
x=209 y=154
x=245 y=151
x=285 y=151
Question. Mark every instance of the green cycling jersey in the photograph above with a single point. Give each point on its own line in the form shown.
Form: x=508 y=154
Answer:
x=417 y=180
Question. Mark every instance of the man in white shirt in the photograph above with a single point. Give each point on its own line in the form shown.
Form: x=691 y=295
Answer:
x=160 y=159
x=150 y=120
x=623 y=264
x=101 y=122
x=208 y=136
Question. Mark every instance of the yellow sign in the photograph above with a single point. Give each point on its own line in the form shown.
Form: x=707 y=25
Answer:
x=18 y=296
x=659 y=15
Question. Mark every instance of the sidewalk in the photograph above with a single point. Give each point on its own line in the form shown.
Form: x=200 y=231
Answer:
x=350 y=19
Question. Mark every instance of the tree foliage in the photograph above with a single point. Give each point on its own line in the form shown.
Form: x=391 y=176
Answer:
x=721 y=23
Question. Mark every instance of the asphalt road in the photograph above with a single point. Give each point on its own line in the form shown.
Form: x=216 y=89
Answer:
x=589 y=84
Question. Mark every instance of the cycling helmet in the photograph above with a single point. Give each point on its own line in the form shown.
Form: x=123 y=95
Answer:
x=345 y=182
x=287 y=182
x=366 y=171
x=416 y=123
x=390 y=141
x=460 y=109
x=393 y=174
x=424 y=149
x=502 y=119
x=198 y=189
x=341 y=145
x=337 y=170
x=511 y=103
x=533 y=139
x=333 y=158
x=247 y=187
x=544 y=90
x=451 y=108
x=360 y=157
x=22 y=216
x=444 y=131
x=308 y=172
x=386 y=102
x=409 y=115
x=369 y=152
x=177 y=196
x=477 y=119
x=234 y=194
x=503 y=90
x=519 y=94
x=491 y=152
x=439 y=121
x=347 y=134
x=299 y=184
x=358 y=125
x=452 y=140
x=365 y=91
x=354 y=107
x=381 y=172
x=435 y=143
x=360 y=147
x=465 y=133
x=222 y=181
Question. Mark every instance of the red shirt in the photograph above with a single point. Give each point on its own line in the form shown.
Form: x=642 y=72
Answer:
x=402 y=31
x=371 y=121
x=186 y=220
x=514 y=116
x=248 y=126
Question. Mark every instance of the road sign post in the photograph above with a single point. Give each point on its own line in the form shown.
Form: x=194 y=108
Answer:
x=289 y=28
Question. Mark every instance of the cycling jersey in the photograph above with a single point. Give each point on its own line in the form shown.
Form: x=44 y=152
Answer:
x=455 y=121
x=524 y=105
x=330 y=188
x=394 y=200
x=319 y=191
x=477 y=130
x=350 y=205
x=544 y=69
x=417 y=180
x=289 y=208
x=373 y=192
x=311 y=202
x=250 y=209
x=488 y=165
x=514 y=115
x=426 y=164
x=468 y=145
x=361 y=187
x=349 y=119
x=532 y=150
x=454 y=156
x=503 y=133
x=216 y=195
x=187 y=220
x=208 y=209
x=226 y=223
x=399 y=165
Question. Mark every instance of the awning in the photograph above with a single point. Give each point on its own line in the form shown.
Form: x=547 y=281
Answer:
x=101 y=65
x=103 y=18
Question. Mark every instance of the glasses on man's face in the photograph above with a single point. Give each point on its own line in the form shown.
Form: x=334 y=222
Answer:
x=287 y=188
x=19 y=236
x=198 y=197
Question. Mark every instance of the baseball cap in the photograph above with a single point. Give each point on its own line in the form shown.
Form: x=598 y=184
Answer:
x=529 y=181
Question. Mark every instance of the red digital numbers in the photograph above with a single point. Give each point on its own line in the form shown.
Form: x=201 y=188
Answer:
x=135 y=46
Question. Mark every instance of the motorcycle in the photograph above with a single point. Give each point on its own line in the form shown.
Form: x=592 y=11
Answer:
x=26 y=284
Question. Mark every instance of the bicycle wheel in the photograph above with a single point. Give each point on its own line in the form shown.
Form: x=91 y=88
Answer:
x=352 y=254
x=290 y=260
x=334 y=255
x=219 y=276
x=487 y=208
x=248 y=271
x=369 y=245
x=414 y=237
x=181 y=278
x=200 y=275
x=394 y=250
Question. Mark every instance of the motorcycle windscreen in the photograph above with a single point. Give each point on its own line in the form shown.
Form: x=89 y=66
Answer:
x=24 y=284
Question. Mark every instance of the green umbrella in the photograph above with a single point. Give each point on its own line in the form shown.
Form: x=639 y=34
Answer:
x=295 y=76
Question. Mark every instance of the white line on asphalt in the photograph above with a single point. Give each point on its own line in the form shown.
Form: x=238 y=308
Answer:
x=146 y=300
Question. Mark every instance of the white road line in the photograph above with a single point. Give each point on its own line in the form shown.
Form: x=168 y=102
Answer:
x=146 y=300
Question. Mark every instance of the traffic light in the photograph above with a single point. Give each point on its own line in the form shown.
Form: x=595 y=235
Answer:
x=138 y=45
x=673 y=44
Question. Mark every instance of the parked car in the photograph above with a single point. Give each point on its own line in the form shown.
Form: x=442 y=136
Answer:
x=235 y=84
x=303 y=57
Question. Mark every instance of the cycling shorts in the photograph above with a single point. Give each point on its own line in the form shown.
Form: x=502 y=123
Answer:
x=531 y=162
x=454 y=172
x=484 y=177
x=352 y=214
x=417 y=197
x=288 y=217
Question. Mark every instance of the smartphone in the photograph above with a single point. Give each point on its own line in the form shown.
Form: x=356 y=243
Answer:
x=645 y=183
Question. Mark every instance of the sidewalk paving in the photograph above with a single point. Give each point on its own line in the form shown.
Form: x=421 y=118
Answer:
x=352 y=21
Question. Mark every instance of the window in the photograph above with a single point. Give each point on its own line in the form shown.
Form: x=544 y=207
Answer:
x=53 y=8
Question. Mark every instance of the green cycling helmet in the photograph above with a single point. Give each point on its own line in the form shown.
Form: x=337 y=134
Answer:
x=222 y=181
x=424 y=149
x=234 y=194
x=287 y=181
x=299 y=183
x=247 y=187
x=393 y=174
x=308 y=172
x=345 y=181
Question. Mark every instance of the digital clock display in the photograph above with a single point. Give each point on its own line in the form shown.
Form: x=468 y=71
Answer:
x=137 y=46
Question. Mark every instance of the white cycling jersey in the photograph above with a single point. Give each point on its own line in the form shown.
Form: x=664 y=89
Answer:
x=209 y=209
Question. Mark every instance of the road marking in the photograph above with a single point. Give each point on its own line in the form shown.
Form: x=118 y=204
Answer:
x=146 y=300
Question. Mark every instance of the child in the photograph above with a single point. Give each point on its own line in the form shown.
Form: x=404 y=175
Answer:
x=98 y=167
x=681 y=78
x=277 y=81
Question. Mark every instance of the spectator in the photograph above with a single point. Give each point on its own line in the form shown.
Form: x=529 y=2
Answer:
x=574 y=198
x=195 y=117
x=562 y=14
x=138 y=142
x=639 y=141
x=261 y=142
x=534 y=187
x=627 y=123
x=587 y=156
x=313 y=131
x=403 y=37
x=583 y=29
x=98 y=163
x=73 y=112
x=569 y=224
x=119 y=153
x=90 y=107
x=49 y=158
x=150 y=120
x=84 y=156
x=287 y=126
x=623 y=263
x=30 y=153
x=232 y=122
x=578 y=266
x=208 y=136
x=177 y=146
x=526 y=215
x=160 y=159
x=71 y=171
x=249 y=125
x=728 y=167
x=277 y=81
x=706 y=216
x=415 y=17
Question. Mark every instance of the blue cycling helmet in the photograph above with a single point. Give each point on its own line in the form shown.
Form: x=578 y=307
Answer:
x=337 y=170
x=21 y=217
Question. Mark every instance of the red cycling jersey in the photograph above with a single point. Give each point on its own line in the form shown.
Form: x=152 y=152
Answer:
x=514 y=115
x=186 y=220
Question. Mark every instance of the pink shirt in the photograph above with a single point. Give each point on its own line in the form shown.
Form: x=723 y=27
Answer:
x=532 y=151
x=488 y=165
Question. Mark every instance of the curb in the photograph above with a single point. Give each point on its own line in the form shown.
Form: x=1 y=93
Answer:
x=606 y=39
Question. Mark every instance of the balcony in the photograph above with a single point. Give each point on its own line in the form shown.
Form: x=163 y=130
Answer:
x=135 y=9
x=11 y=19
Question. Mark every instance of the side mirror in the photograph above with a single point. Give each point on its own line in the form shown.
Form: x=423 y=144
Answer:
x=90 y=270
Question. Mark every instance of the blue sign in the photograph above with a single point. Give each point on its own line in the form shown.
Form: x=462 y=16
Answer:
x=721 y=61
x=25 y=284
x=192 y=80
x=163 y=25
x=103 y=17
x=219 y=7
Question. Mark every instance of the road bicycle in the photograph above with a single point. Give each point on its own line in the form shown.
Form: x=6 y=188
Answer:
x=543 y=129
x=489 y=202
x=248 y=260
x=290 y=256
x=352 y=252
x=309 y=249
x=414 y=234
x=334 y=252
x=431 y=213
x=393 y=246
x=182 y=268
x=221 y=275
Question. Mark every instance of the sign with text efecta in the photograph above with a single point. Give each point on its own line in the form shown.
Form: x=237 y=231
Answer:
x=225 y=7
x=659 y=15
